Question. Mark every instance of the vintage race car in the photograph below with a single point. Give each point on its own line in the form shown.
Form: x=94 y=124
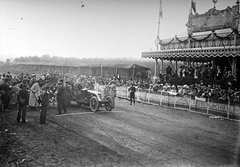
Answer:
x=93 y=99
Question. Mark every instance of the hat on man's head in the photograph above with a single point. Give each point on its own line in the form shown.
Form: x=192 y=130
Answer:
x=24 y=85
x=47 y=86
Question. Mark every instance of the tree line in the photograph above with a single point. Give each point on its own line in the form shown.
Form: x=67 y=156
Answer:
x=72 y=60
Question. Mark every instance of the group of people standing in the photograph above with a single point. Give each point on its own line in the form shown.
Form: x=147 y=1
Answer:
x=31 y=93
x=33 y=96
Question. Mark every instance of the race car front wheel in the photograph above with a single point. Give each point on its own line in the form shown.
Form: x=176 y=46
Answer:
x=94 y=104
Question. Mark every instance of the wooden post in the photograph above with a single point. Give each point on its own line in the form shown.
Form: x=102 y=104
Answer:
x=176 y=67
x=89 y=71
x=228 y=109
x=162 y=65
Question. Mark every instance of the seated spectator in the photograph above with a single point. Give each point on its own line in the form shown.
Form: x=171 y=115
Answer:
x=179 y=71
x=218 y=73
x=229 y=78
x=225 y=73
x=173 y=89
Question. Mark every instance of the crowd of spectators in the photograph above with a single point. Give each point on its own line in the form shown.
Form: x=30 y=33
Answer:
x=207 y=81
x=200 y=88
x=205 y=71
x=211 y=92
x=204 y=81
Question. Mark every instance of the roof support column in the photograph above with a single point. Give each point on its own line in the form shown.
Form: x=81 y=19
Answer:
x=234 y=59
x=234 y=65
x=176 y=67
x=189 y=43
x=155 y=72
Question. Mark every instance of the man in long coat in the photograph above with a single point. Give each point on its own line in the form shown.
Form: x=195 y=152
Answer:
x=45 y=103
x=61 y=97
x=34 y=92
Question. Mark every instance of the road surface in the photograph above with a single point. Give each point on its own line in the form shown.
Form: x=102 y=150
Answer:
x=130 y=135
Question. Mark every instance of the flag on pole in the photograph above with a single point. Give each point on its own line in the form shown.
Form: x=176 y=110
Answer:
x=160 y=9
x=193 y=4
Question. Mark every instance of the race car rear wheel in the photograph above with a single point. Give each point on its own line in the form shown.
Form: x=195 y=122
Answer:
x=110 y=104
x=94 y=104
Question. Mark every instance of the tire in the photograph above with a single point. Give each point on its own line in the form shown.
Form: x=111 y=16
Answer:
x=94 y=104
x=109 y=106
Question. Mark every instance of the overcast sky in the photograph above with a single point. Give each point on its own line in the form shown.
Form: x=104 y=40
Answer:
x=91 y=28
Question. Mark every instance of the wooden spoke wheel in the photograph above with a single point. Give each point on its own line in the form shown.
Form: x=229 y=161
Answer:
x=110 y=104
x=94 y=104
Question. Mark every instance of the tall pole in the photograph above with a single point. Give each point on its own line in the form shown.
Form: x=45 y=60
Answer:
x=234 y=59
x=159 y=16
x=157 y=40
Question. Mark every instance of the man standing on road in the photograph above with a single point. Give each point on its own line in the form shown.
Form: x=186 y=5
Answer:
x=45 y=103
x=61 y=97
x=22 y=103
x=5 y=87
x=132 y=91
x=34 y=95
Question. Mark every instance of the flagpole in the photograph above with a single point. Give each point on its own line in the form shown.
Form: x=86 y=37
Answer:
x=159 y=16
x=160 y=5
x=191 y=7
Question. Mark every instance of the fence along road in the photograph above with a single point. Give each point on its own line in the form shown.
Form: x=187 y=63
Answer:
x=194 y=104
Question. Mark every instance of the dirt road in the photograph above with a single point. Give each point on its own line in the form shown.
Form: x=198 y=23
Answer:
x=130 y=135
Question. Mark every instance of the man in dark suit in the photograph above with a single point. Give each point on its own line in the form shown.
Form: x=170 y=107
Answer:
x=23 y=99
x=6 y=95
x=61 y=97
x=132 y=91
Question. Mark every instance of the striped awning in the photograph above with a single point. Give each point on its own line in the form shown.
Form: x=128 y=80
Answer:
x=195 y=53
